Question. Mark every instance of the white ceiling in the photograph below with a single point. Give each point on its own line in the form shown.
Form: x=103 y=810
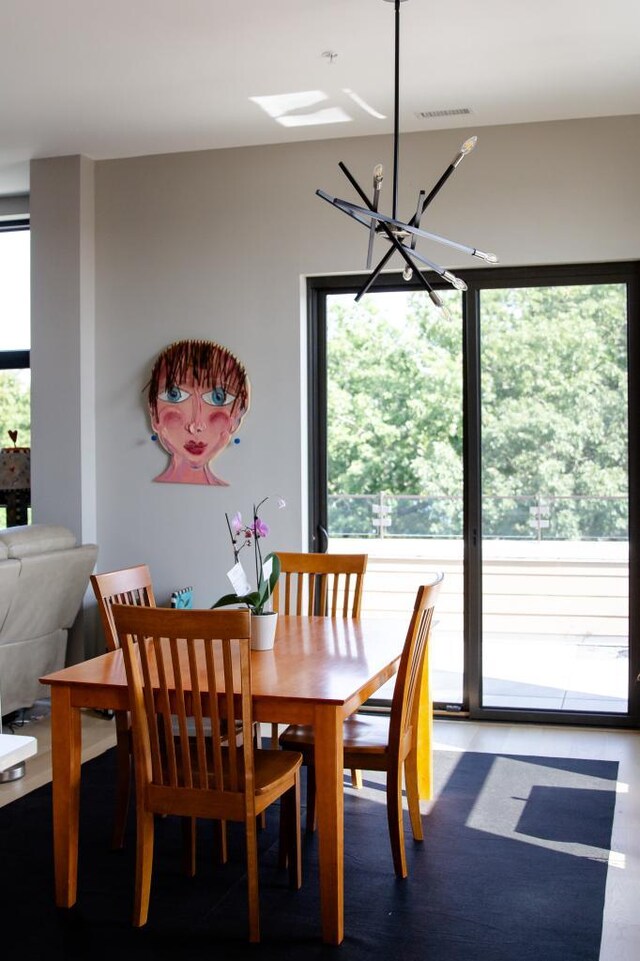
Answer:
x=115 y=78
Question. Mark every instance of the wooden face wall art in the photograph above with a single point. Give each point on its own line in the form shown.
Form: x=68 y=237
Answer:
x=198 y=395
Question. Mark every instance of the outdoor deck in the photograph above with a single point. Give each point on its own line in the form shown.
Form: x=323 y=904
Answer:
x=555 y=623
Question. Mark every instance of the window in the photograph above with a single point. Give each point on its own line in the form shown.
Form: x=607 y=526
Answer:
x=15 y=374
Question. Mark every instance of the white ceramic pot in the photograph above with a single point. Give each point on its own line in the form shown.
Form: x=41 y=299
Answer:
x=263 y=630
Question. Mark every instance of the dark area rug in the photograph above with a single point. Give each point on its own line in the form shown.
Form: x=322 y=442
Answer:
x=513 y=868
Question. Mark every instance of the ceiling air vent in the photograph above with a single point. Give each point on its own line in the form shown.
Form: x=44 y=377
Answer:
x=436 y=114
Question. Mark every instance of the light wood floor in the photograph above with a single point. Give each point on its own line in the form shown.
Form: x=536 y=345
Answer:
x=621 y=933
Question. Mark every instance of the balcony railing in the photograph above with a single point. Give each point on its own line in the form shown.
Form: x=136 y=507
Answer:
x=521 y=517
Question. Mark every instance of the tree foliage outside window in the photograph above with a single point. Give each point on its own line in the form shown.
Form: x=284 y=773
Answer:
x=554 y=399
x=15 y=407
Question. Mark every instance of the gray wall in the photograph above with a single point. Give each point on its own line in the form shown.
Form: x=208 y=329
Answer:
x=217 y=244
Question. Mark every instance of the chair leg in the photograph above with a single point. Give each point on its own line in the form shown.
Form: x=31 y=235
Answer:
x=290 y=848
x=123 y=784
x=189 y=846
x=356 y=778
x=274 y=737
x=311 y=799
x=413 y=798
x=144 y=864
x=220 y=841
x=394 y=819
x=257 y=744
x=252 y=879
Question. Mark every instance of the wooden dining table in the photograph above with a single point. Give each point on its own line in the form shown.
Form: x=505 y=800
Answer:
x=320 y=671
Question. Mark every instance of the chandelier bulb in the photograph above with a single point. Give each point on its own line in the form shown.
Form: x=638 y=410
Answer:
x=488 y=258
x=456 y=282
x=407 y=273
x=466 y=148
x=378 y=175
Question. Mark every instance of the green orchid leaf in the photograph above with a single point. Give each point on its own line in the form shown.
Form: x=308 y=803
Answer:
x=251 y=600
x=265 y=588
x=275 y=571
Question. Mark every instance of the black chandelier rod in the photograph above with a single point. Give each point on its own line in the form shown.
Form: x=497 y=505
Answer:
x=396 y=111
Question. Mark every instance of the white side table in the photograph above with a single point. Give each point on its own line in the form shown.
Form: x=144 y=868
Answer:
x=14 y=751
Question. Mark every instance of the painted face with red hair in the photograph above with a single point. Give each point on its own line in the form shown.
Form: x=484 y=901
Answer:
x=198 y=395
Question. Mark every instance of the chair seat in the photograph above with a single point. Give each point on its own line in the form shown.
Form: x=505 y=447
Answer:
x=363 y=734
x=274 y=767
x=271 y=768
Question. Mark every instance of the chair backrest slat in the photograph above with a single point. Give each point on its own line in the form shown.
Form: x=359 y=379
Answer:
x=326 y=584
x=183 y=667
x=131 y=585
x=214 y=719
x=404 y=705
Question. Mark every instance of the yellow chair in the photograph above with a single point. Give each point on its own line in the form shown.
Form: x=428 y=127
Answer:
x=174 y=659
x=375 y=743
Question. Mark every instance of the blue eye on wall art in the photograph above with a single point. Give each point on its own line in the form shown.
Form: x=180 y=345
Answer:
x=199 y=394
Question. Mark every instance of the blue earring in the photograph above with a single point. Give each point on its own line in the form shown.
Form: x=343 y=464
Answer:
x=154 y=437
x=236 y=440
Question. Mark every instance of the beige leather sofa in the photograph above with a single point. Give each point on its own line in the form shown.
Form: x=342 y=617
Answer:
x=43 y=578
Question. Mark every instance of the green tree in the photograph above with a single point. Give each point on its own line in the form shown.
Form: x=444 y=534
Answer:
x=554 y=382
x=394 y=402
x=554 y=397
x=15 y=408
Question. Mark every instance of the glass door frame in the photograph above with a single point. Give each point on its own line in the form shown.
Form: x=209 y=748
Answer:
x=626 y=272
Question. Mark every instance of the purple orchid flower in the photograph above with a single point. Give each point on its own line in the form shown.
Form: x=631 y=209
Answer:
x=260 y=529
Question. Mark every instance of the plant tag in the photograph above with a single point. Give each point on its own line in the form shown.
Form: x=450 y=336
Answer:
x=239 y=580
x=267 y=567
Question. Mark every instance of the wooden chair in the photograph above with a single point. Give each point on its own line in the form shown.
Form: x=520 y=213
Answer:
x=325 y=584
x=131 y=585
x=175 y=660
x=376 y=743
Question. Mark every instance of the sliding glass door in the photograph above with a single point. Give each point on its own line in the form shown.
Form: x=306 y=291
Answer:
x=497 y=441
x=555 y=498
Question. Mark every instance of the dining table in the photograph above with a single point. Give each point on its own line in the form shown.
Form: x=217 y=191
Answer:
x=320 y=670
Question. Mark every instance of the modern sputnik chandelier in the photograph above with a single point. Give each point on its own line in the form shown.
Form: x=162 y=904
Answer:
x=403 y=236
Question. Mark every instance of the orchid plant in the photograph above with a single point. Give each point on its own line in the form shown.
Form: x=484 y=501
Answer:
x=267 y=569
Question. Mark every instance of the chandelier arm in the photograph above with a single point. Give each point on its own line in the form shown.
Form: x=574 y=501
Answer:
x=415 y=220
x=344 y=206
x=372 y=227
x=373 y=276
x=436 y=190
x=456 y=282
x=372 y=205
x=356 y=186
x=375 y=273
x=437 y=269
x=384 y=220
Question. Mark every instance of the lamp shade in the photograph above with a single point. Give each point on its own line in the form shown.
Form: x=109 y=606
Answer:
x=15 y=468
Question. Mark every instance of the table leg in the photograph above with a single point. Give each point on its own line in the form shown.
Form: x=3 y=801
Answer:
x=65 y=755
x=330 y=813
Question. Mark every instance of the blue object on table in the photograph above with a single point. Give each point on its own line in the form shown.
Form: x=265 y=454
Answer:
x=183 y=598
